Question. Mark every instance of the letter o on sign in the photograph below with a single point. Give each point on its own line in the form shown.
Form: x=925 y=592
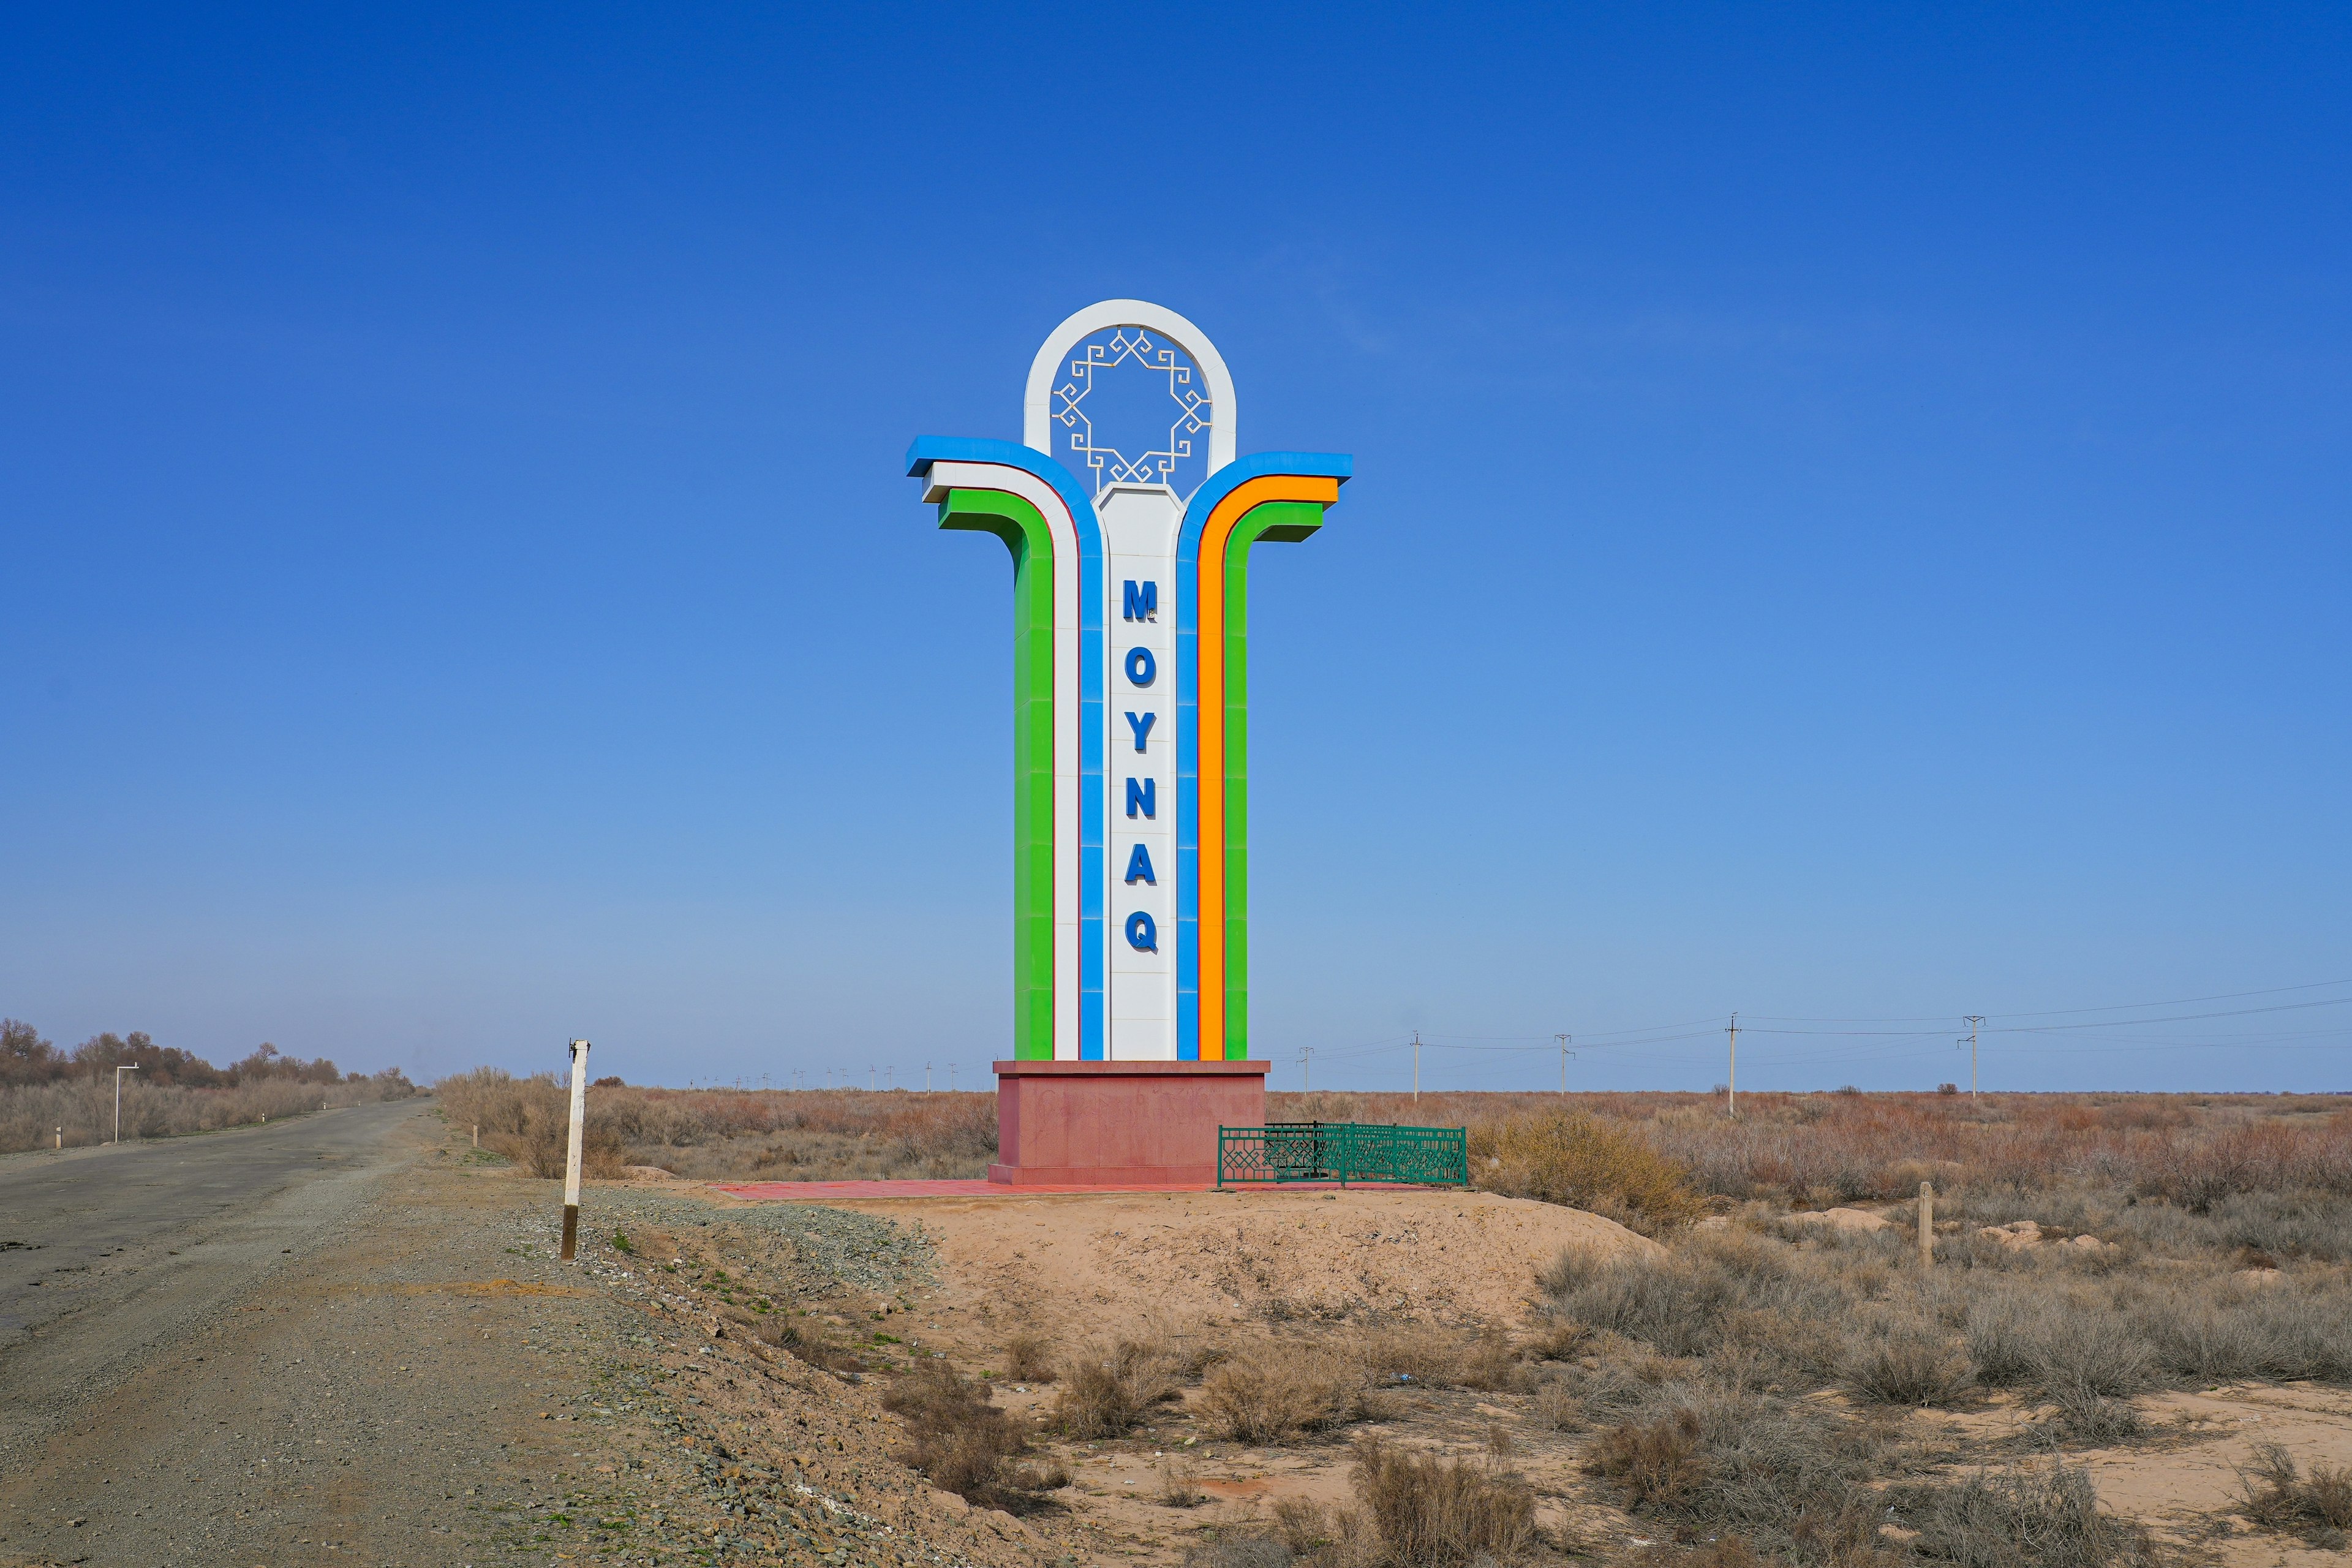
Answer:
x=1140 y=668
x=1141 y=934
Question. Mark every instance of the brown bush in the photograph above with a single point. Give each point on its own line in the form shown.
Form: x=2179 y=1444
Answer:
x=31 y=1113
x=1655 y=1463
x=1276 y=1394
x=1572 y=1157
x=962 y=1443
x=1843 y=1148
x=1435 y=1512
x=1029 y=1358
x=803 y=1135
x=1910 y=1362
x=1106 y=1389
x=804 y=1340
x=2278 y=1494
x=528 y=1121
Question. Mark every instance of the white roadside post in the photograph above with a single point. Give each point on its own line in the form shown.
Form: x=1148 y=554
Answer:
x=117 y=1103
x=572 y=1152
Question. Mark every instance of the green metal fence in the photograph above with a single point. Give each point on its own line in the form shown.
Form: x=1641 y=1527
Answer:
x=1343 y=1152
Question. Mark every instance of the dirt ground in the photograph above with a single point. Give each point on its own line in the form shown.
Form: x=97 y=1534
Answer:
x=408 y=1375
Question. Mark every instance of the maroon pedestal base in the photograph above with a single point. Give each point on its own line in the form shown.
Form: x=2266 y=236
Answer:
x=1066 y=1124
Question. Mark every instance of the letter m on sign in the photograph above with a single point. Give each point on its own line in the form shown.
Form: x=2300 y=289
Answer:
x=1141 y=602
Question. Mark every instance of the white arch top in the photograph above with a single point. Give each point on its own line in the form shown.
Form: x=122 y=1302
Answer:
x=1037 y=407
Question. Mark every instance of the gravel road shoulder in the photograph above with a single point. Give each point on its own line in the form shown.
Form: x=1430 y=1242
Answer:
x=426 y=1384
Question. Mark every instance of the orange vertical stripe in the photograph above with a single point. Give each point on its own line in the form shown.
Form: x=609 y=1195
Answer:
x=1209 y=598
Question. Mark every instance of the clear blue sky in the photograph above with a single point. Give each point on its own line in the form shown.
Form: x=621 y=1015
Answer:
x=1852 y=521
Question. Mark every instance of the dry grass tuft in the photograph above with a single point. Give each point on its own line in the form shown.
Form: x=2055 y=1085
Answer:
x=1279 y=1392
x=801 y=1338
x=1106 y=1389
x=1575 y=1158
x=1427 y=1511
x=1910 y=1362
x=1654 y=1465
x=962 y=1443
x=2279 y=1495
x=1180 y=1487
x=2028 y=1516
x=1239 y=1551
x=1029 y=1358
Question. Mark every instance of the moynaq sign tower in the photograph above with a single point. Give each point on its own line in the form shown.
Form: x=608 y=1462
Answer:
x=1129 y=520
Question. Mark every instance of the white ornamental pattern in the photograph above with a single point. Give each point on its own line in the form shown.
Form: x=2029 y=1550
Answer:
x=1132 y=445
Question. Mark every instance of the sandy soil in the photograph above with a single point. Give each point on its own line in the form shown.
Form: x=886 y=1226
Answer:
x=1061 y=1262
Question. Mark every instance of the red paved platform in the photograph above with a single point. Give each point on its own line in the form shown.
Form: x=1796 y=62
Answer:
x=835 y=1191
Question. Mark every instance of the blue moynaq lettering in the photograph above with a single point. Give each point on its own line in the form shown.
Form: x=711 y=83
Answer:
x=1143 y=793
x=1141 y=602
x=1140 y=665
x=1141 y=934
x=1139 y=867
x=1141 y=724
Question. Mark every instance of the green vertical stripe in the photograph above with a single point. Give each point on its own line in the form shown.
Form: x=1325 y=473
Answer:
x=1017 y=523
x=1281 y=520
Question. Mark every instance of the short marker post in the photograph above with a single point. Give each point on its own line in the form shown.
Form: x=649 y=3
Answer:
x=1926 y=1224
x=572 y=1152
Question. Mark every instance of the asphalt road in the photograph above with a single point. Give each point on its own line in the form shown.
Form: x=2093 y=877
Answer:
x=107 y=1253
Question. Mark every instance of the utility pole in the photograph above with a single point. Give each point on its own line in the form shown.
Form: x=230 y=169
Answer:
x=889 y=1077
x=117 y=1101
x=869 y=1077
x=1564 y=1053
x=926 y=1077
x=950 y=1077
x=1974 y=1021
x=1731 y=1089
x=1416 y=1067
x=1306 y=1069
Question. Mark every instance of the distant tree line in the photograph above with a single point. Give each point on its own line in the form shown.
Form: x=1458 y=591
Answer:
x=27 y=1059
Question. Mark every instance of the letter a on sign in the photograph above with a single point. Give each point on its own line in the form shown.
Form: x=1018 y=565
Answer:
x=1139 y=867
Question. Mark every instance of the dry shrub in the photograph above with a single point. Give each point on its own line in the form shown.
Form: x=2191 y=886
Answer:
x=1029 y=1358
x=1239 y=1551
x=1278 y=1393
x=962 y=1443
x=2071 y=1348
x=1180 y=1487
x=1790 y=1475
x=528 y=1121
x=1910 y=1363
x=31 y=1114
x=1557 y=1339
x=1428 y=1512
x=1439 y=1358
x=1106 y=1389
x=1557 y=1408
x=1847 y=1147
x=2088 y=1417
x=801 y=1338
x=2043 y=1517
x=1655 y=1464
x=1574 y=1158
x=2278 y=1494
x=716 y=1134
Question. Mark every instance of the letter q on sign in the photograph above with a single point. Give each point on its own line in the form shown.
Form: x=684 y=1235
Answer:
x=1140 y=667
x=1141 y=934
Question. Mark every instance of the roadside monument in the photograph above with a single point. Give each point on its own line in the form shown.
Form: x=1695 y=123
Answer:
x=1129 y=520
